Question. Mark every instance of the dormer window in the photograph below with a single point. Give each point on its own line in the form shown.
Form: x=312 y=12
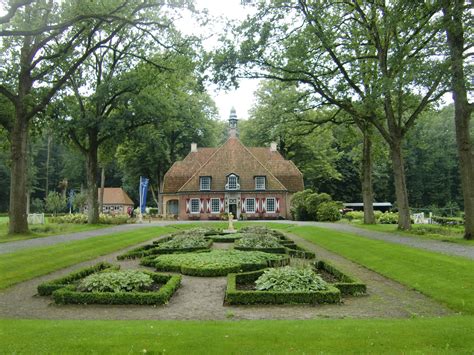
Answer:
x=232 y=182
x=204 y=183
x=260 y=183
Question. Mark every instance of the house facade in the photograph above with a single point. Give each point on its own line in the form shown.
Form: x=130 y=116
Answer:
x=249 y=182
x=116 y=201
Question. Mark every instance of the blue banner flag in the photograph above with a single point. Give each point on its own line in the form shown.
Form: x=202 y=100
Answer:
x=143 y=191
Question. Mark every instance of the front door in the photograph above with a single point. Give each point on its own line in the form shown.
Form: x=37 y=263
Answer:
x=233 y=209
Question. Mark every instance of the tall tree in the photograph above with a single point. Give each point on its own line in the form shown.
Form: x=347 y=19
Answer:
x=377 y=61
x=43 y=43
x=456 y=15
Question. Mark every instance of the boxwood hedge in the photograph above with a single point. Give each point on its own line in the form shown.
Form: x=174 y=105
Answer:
x=47 y=288
x=236 y=296
x=348 y=285
x=170 y=283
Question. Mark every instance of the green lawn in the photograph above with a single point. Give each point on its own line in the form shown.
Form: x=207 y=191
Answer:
x=27 y=264
x=452 y=234
x=451 y=335
x=445 y=278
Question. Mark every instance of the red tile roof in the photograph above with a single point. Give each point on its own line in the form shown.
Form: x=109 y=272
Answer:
x=233 y=157
x=116 y=196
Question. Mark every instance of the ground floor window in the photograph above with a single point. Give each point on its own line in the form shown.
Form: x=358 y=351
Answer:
x=250 y=205
x=271 y=205
x=195 y=205
x=215 y=205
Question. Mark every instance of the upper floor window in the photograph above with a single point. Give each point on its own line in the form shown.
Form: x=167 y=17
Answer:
x=260 y=183
x=232 y=182
x=205 y=183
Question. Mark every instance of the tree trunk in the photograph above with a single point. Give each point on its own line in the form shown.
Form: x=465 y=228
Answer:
x=91 y=175
x=462 y=109
x=367 y=186
x=400 y=185
x=18 y=186
x=102 y=186
x=48 y=158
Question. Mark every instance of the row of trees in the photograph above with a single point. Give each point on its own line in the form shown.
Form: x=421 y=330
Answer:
x=379 y=64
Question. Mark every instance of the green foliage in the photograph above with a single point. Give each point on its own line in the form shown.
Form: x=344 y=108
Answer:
x=388 y=218
x=354 y=215
x=79 y=218
x=55 y=202
x=116 y=281
x=47 y=288
x=79 y=201
x=329 y=211
x=290 y=279
x=348 y=285
x=448 y=221
x=37 y=205
x=258 y=241
x=217 y=262
x=184 y=241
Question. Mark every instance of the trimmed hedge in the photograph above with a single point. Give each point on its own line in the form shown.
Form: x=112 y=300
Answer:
x=47 y=288
x=280 y=250
x=234 y=296
x=300 y=252
x=70 y=295
x=224 y=238
x=448 y=221
x=348 y=285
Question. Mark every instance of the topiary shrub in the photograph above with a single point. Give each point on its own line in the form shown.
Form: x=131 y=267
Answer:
x=116 y=281
x=329 y=211
x=290 y=279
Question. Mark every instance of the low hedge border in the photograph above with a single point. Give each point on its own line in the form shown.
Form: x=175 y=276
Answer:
x=234 y=296
x=69 y=294
x=300 y=252
x=348 y=285
x=47 y=288
x=148 y=250
x=215 y=272
x=280 y=250
x=224 y=238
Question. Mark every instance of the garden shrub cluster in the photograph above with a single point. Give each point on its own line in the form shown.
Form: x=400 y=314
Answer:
x=388 y=218
x=116 y=281
x=448 y=221
x=348 y=285
x=79 y=218
x=308 y=205
x=260 y=230
x=290 y=279
x=185 y=242
x=215 y=262
x=236 y=295
x=168 y=285
x=258 y=241
x=47 y=288
x=224 y=238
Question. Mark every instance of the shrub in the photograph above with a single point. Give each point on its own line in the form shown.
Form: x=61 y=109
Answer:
x=313 y=202
x=37 y=205
x=352 y=215
x=448 y=221
x=216 y=262
x=328 y=211
x=258 y=241
x=153 y=211
x=290 y=279
x=55 y=202
x=118 y=281
x=388 y=218
x=260 y=230
x=184 y=241
x=79 y=218
x=169 y=284
x=298 y=208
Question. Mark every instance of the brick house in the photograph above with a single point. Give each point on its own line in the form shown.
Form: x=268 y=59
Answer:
x=249 y=182
x=116 y=201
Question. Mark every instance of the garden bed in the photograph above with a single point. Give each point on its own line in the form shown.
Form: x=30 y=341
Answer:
x=224 y=238
x=215 y=262
x=240 y=291
x=348 y=285
x=162 y=289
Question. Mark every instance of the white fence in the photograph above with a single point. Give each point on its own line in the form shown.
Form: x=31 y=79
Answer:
x=36 y=218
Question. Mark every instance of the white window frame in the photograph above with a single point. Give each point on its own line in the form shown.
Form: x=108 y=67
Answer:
x=191 y=205
x=237 y=185
x=201 y=184
x=247 y=210
x=218 y=205
x=259 y=185
x=274 y=205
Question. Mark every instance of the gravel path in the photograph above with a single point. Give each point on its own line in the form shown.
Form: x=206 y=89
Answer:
x=201 y=298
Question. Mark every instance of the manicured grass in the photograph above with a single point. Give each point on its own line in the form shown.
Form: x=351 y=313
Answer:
x=27 y=264
x=447 y=279
x=45 y=230
x=451 y=335
x=452 y=234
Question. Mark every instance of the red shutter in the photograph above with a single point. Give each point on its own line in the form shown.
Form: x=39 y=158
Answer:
x=201 y=205
x=208 y=205
x=256 y=206
x=222 y=204
x=264 y=205
x=243 y=205
x=187 y=205
x=277 y=205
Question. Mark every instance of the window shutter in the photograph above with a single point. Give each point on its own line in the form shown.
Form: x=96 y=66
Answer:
x=277 y=207
x=222 y=205
x=243 y=205
x=256 y=206
x=201 y=205
x=208 y=205
x=264 y=204
x=187 y=205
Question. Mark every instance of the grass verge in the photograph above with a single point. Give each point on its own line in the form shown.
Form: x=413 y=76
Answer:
x=447 y=279
x=27 y=264
x=426 y=336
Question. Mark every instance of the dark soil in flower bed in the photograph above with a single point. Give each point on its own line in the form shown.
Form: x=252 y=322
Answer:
x=327 y=276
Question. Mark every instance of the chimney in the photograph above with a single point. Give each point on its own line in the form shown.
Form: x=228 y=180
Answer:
x=194 y=147
x=233 y=123
x=273 y=147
